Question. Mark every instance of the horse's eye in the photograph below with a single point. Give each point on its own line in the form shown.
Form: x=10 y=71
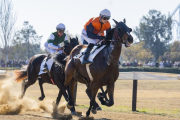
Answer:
x=130 y=29
x=119 y=29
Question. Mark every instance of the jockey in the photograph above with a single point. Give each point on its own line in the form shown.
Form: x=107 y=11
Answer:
x=56 y=42
x=94 y=31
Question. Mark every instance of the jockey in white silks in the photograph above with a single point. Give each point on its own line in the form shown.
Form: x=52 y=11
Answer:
x=94 y=31
x=56 y=42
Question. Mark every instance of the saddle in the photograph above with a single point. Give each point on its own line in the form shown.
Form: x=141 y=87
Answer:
x=96 y=49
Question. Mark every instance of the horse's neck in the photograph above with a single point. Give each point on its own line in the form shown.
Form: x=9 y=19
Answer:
x=114 y=52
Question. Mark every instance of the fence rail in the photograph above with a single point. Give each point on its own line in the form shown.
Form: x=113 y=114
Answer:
x=135 y=76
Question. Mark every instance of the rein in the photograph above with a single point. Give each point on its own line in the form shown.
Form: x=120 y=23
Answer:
x=121 y=40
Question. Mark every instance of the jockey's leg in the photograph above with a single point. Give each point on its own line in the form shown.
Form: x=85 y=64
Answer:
x=89 y=48
x=45 y=68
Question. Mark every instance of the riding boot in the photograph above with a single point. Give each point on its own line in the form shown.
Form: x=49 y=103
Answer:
x=45 y=67
x=88 y=50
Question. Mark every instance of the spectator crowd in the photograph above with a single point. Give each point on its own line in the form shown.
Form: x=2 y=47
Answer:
x=160 y=64
x=14 y=63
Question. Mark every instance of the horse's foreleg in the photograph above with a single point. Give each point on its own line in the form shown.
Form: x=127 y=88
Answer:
x=95 y=106
x=110 y=90
x=59 y=97
x=41 y=88
x=71 y=93
x=92 y=102
x=63 y=90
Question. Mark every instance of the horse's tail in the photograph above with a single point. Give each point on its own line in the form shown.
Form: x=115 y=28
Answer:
x=20 y=75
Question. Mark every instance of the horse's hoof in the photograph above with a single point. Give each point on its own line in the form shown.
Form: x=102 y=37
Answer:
x=20 y=97
x=73 y=113
x=93 y=111
x=41 y=98
x=69 y=107
x=98 y=108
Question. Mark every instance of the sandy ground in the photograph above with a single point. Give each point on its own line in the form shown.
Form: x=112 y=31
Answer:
x=156 y=100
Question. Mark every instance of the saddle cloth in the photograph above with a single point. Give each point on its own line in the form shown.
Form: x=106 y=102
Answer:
x=49 y=64
x=92 y=55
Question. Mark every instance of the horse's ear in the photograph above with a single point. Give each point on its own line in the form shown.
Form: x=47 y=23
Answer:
x=115 y=21
x=76 y=38
x=124 y=20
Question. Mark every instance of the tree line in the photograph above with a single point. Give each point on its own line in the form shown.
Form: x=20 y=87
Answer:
x=153 y=38
x=153 y=35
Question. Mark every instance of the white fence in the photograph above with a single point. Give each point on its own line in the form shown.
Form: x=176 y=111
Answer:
x=147 y=76
x=135 y=76
x=2 y=72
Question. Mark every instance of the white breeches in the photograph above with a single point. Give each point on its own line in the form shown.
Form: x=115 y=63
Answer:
x=85 y=37
x=53 y=51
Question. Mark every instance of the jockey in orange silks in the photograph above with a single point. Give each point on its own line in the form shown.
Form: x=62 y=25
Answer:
x=94 y=31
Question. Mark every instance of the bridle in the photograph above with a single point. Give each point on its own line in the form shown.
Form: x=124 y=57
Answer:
x=121 y=40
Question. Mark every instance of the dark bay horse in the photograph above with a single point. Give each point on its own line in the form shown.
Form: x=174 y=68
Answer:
x=104 y=69
x=57 y=72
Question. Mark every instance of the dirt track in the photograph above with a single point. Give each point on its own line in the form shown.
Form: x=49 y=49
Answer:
x=156 y=100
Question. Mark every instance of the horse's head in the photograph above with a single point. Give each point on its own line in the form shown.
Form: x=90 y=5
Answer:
x=122 y=33
x=69 y=46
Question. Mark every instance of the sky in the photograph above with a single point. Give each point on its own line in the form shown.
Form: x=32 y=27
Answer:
x=44 y=15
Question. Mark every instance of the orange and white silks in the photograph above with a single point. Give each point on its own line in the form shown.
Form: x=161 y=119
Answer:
x=98 y=27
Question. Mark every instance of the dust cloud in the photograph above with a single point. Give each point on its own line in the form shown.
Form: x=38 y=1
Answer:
x=10 y=104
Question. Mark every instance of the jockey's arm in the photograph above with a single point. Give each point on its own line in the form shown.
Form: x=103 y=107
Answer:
x=90 y=34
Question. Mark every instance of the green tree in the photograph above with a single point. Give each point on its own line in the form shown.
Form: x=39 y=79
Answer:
x=155 y=30
x=26 y=42
x=175 y=47
x=137 y=52
x=174 y=53
x=7 y=22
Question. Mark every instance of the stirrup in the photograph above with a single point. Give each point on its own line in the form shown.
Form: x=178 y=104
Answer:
x=45 y=69
x=86 y=62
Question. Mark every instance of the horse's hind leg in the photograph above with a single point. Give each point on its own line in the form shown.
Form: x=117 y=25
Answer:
x=110 y=90
x=31 y=80
x=41 y=88
x=102 y=95
x=69 y=72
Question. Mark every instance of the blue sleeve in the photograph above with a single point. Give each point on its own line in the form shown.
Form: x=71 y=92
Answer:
x=90 y=34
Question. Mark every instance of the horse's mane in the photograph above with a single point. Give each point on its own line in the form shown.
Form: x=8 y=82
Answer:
x=109 y=36
x=60 y=59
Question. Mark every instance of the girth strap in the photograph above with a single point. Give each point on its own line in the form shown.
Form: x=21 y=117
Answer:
x=89 y=73
x=50 y=76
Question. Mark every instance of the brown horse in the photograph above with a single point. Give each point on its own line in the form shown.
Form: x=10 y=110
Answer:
x=104 y=69
x=57 y=72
